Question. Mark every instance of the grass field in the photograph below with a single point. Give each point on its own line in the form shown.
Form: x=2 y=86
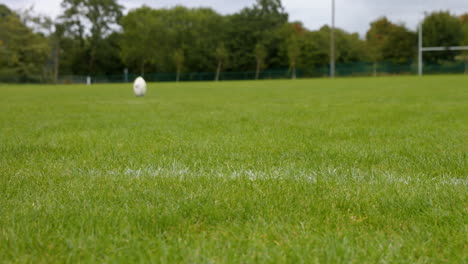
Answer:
x=309 y=171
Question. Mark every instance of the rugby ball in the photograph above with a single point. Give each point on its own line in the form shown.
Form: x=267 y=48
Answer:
x=139 y=86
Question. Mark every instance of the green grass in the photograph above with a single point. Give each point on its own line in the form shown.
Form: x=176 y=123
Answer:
x=309 y=171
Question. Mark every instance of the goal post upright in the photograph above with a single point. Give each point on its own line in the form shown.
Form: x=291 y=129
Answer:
x=332 y=41
x=420 y=51
x=420 y=40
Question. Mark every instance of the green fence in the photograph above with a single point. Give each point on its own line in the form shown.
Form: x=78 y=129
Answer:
x=342 y=70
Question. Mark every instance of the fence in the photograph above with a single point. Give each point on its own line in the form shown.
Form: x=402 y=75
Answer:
x=342 y=70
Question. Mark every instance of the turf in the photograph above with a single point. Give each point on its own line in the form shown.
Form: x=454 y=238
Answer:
x=308 y=171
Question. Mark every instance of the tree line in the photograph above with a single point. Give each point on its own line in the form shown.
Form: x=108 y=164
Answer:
x=95 y=37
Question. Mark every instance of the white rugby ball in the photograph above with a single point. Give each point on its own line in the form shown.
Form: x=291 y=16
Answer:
x=139 y=86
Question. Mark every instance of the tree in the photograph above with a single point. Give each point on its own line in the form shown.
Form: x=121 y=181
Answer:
x=390 y=42
x=20 y=62
x=45 y=26
x=441 y=29
x=4 y=11
x=400 y=46
x=38 y=23
x=376 y=38
x=268 y=7
x=151 y=37
x=201 y=29
x=102 y=15
x=260 y=55
x=294 y=51
x=315 y=50
x=56 y=39
x=143 y=30
x=179 y=59
x=253 y=25
x=221 y=56
x=290 y=44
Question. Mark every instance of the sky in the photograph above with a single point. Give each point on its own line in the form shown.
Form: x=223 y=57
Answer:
x=351 y=15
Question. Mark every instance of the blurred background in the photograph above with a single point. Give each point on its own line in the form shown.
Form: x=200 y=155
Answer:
x=64 y=41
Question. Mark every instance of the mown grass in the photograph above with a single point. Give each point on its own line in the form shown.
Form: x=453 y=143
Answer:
x=307 y=171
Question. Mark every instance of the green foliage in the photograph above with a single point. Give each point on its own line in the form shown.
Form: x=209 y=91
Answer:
x=23 y=53
x=357 y=170
x=315 y=48
x=151 y=37
x=464 y=21
x=179 y=60
x=349 y=47
x=108 y=60
x=294 y=51
x=253 y=25
x=4 y=11
x=222 y=55
x=388 y=42
x=260 y=56
x=102 y=16
x=142 y=40
x=401 y=46
x=377 y=36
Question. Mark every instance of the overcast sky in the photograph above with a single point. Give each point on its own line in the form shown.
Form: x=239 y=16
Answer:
x=351 y=15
